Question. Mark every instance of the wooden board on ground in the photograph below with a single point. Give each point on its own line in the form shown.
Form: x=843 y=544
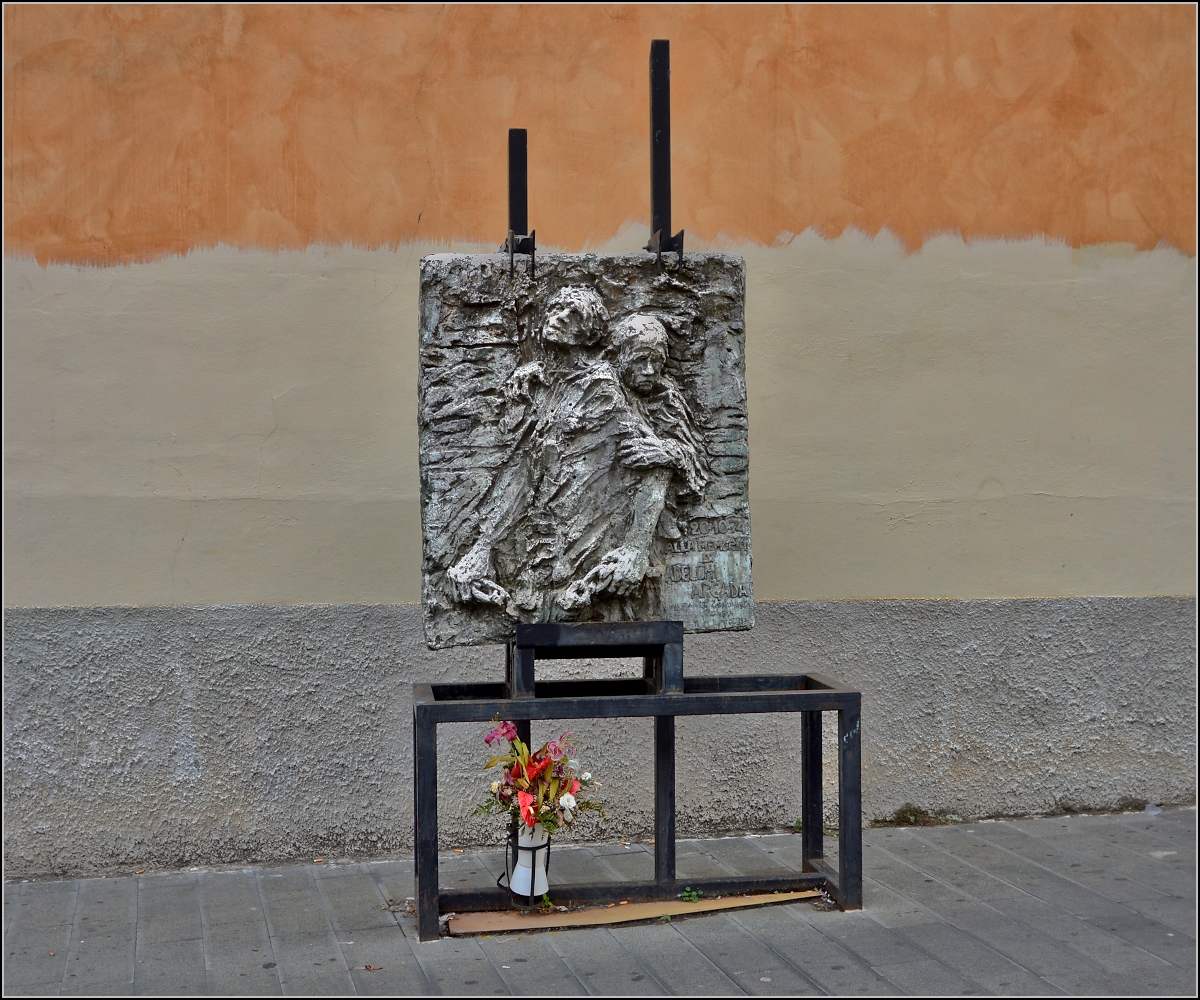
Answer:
x=504 y=921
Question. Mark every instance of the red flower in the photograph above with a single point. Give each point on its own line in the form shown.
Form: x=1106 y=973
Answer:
x=526 y=800
x=574 y=787
x=536 y=767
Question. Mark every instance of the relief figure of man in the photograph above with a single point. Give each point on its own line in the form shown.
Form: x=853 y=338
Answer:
x=572 y=336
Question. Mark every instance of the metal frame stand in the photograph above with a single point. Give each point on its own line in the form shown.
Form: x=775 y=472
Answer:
x=662 y=694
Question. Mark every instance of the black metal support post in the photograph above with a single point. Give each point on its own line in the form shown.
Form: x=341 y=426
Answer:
x=664 y=799
x=660 y=152
x=812 y=841
x=518 y=681
x=849 y=808
x=519 y=240
x=425 y=862
x=518 y=181
x=662 y=694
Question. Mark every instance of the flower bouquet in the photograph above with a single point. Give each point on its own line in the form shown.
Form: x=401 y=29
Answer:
x=542 y=790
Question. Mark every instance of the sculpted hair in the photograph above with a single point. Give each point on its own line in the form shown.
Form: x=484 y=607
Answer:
x=638 y=327
x=585 y=303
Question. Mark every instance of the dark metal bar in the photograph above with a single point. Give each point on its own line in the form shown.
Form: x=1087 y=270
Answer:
x=652 y=671
x=671 y=671
x=849 y=809
x=750 y=682
x=812 y=843
x=512 y=688
x=425 y=816
x=554 y=636
x=468 y=900
x=633 y=706
x=660 y=137
x=660 y=152
x=823 y=869
x=518 y=181
x=523 y=682
x=519 y=240
x=631 y=686
x=664 y=799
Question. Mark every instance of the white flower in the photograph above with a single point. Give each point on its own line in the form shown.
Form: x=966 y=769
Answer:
x=573 y=764
x=567 y=801
x=495 y=787
x=586 y=776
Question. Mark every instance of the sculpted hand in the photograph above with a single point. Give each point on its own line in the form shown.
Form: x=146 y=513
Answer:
x=621 y=571
x=470 y=579
x=520 y=383
x=644 y=453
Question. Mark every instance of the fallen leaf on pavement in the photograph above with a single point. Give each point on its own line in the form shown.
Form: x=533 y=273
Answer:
x=373 y=968
x=51 y=954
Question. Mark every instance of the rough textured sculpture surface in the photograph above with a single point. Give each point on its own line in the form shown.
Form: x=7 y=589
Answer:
x=583 y=443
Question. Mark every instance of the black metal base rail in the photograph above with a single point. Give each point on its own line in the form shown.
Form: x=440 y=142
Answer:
x=662 y=694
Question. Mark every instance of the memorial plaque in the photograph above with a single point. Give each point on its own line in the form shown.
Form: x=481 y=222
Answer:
x=583 y=443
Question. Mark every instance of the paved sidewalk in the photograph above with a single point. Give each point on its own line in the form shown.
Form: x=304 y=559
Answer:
x=1081 y=905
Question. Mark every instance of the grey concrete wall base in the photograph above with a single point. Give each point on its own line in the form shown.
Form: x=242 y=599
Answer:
x=171 y=736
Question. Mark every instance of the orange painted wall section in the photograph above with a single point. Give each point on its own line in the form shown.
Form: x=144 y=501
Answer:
x=137 y=131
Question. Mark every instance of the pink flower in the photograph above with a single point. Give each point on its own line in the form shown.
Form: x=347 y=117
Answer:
x=504 y=731
x=559 y=748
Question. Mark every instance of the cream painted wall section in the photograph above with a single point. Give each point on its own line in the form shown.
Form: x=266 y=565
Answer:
x=973 y=420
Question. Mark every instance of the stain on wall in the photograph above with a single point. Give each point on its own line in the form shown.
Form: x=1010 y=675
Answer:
x=137 y=131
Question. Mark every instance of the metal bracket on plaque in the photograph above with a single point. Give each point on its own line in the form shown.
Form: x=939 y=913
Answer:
x=661 y=239
x=519 y=241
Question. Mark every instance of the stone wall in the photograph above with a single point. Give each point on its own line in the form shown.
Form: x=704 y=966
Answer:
x=170 y=736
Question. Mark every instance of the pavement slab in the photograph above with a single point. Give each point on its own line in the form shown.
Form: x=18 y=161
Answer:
x=1178 y=913
x=752 y=964
x=1110 y=881
x=1106 y=847
x=1098 y=946
x=634 y=865
x=974 y=960
x=1079 y=905
x=823 y=961
x=170 y=967
x=603 y=965
x=677 y=962
x=529 y=966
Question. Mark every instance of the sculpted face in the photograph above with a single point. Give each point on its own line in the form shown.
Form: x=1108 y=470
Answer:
x=563 y=326
x=575 y=317
x=641 y=353
x=642 y=361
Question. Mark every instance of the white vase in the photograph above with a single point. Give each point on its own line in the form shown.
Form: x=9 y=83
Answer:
x=530 y=868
